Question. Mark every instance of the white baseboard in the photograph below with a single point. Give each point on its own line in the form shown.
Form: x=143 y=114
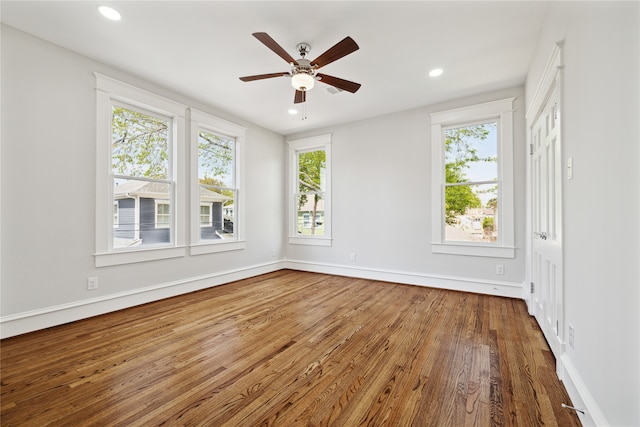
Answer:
x=489 y=287
x=579 y=394
x=29 y=321
x=21 y=323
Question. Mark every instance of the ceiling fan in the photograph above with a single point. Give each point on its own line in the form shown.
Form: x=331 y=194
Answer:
x=303 y=72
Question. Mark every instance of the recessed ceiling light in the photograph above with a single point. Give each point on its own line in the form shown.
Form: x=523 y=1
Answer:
x=436 y=72
x=292 y=111
x=109 y=12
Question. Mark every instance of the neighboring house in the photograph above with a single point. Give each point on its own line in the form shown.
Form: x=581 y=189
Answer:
x=305 y=214
x=470 y=225
x=142 y=214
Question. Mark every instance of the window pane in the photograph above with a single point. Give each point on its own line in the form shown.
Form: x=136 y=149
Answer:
x=144 y=213
x=311 y=171
x=220 y=222
x=215 y=159
x=139 y=144
x=310 y=214
x=471 y=153
x=471 y=213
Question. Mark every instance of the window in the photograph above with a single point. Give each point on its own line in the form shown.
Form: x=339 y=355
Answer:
x=216 y=174
x=140 y=190
x=163 y=214
x=310 y=190
x=205 y=215
x=472 y=175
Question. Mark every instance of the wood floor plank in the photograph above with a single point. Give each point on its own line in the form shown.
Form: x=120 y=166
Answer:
x=290 y=349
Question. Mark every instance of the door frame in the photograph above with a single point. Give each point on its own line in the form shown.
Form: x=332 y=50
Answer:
x=551 y=79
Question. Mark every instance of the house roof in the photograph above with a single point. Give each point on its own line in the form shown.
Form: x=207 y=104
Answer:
x=159 y=190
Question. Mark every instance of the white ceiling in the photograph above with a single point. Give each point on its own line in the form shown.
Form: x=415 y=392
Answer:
x=201 y=48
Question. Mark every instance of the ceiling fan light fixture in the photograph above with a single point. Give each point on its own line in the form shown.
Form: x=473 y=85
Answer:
x=302 y=81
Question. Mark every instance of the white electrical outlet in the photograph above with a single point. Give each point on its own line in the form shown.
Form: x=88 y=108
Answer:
x=352 y=256
x=499 y=268
x=92 y=283
x=571 y=336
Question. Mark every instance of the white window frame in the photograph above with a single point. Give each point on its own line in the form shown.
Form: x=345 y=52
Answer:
x=209 y=123
x=502 y=111
x=108 y=92
x=321 y=142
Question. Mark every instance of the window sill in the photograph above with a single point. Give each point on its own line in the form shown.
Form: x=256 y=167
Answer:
x=210 y=248
x=311 y=241
x=473 y=250
x=138 y=255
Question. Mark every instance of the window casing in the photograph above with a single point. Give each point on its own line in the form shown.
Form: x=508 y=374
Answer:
x=310 y=191
x=217 y=168
x=472 y=164
x=130 y=177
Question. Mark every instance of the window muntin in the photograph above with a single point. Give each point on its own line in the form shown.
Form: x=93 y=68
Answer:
x=490 y=223
x=471 y=188
x=310 y=191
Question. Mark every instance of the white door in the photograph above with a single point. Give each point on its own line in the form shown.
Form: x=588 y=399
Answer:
x=546 y=216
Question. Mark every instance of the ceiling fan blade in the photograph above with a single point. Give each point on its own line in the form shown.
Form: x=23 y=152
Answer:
x=274 y=46
x=263 y=76
x=340 y=49
x=301 y=96
x=339 y=83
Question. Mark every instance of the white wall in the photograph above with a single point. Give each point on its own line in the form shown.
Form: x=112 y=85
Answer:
x=381 y=195
x=48 y=201
x=601 y=117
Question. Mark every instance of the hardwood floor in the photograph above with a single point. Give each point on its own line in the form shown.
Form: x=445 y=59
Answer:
x=290 y=349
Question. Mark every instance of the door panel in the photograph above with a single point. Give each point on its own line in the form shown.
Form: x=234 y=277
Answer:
x=546 y=180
